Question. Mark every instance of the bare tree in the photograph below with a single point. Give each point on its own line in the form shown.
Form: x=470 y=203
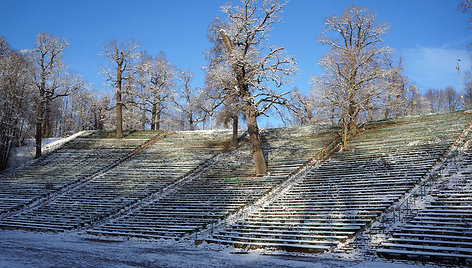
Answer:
x=230 y=113
x=415 y=102
x=227 y=108
x=51 y=80
x=395 y=89
x=189 y=102
x=81 y=110
x=141 y=86
x=122 y=58
x=435 y=99
x=249 y=64
x=353 y=65
x=154 y=83
x=304 y=112
x=452 y=99
x=16 y=93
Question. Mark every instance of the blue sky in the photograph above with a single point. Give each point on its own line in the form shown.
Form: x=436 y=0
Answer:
x=429 y=35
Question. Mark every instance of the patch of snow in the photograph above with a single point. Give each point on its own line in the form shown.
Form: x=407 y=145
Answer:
x=29 y=249
x=23 y=156
x=413 y=143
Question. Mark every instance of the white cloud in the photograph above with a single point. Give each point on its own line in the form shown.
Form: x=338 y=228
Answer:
x=435 y=67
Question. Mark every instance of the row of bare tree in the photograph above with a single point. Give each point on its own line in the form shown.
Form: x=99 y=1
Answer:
x=360 y=81
x=30 y=84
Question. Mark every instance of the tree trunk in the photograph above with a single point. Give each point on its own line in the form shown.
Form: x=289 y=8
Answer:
x=39 y=131
x=95 y=120
x=345 y=133
x=387 y=111
x=371 y=116
x=143 y=118
x=235 y=131
x=100 y=120
x=255 y=141
x=190 y=122
x=397 y=105
x=47 y=119
x=153 y=117
x=157 y=123
x=119 y=115
x=40 y=117
x=119 y=105
x=352 y=117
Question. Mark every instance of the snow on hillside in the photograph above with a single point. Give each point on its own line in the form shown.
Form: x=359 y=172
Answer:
x=24 y=155
x=27 y=249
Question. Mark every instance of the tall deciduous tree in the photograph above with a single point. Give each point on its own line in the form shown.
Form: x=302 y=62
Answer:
x=452 y=99
x=16 y=93
x=435 y=99
x=304 y=112
x=231 y=109
x=51 y=80
x=249 y=65
x=189 y=102
x=395 y=87
x=122 y=57
x=154 y=78
x=353 y=64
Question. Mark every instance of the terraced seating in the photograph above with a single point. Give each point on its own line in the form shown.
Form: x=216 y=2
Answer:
x=443 y=230
x=228 y=186
x=162 y=164
x=346 y=193
x=76 y=160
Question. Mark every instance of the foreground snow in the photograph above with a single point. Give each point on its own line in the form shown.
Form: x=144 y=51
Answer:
x=27 y=249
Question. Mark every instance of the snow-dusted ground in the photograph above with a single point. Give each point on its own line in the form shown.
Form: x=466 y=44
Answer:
x=29 y=249
x=24 y=155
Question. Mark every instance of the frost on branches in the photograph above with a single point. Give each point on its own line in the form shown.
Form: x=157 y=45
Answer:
x=121 y=57
x=190 y=104
x=354 y=65
x=16 y=93
x=51 y=81
x=154 y=82
x=244 y=68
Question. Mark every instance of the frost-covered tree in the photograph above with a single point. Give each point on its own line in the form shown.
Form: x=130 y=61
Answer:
x=16 y=92
x=155 y=80
x=441 y=100
x=436 y=99
x=121 y=58
x=468 y=91
x=353 y=65
x=189 y=102
x=227 y=108
x=415 y=102
x=249 y=69
x=51 y=81
x=79 y=111
x=452 y=99
x=304 y=112
x=394 y=101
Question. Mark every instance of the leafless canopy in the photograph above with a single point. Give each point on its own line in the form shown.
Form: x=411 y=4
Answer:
x=354 y=64
x=121 y=57
x=245 y=68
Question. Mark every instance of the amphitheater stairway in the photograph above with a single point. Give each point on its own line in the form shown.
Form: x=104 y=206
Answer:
x=442 y=231
x=77 y=160
x=340 y=197
x=226 y=187
x=161 y=164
